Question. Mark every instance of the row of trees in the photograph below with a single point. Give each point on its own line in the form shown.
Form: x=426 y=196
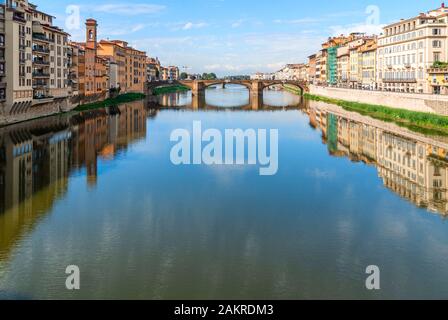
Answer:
x=204 y=76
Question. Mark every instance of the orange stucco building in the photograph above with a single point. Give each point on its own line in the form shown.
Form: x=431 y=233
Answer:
x=131 y=64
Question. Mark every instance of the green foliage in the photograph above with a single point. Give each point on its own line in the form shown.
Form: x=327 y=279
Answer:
x=124 y=98
x=209 y=76
x=440 y=65
x=183 y=76
x=169 y=89
x=422 y=122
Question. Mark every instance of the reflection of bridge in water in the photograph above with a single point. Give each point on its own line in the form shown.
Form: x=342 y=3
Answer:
x=198 y=102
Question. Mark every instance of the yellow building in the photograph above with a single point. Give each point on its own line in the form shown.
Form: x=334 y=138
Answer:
x=368 y=64
x=438 y=80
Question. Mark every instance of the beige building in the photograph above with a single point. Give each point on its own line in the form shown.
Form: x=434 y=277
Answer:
x=408 y=48
x=343 y=56
x=355 y=76
x=173 y=73
x=368 y=64
x=319 y=69
x=152 y=69
x=36 y=58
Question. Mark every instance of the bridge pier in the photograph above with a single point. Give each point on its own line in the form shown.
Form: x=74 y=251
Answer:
x=256 y=102
x=198 y=88
x=198 y=101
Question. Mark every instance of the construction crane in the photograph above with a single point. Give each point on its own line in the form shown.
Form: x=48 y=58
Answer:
x=185 y=69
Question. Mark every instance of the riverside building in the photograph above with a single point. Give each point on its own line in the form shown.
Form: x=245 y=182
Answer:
x=35 y=59
x=408 y=48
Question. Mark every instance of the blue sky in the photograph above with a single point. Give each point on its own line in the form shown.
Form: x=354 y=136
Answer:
x=230 y=36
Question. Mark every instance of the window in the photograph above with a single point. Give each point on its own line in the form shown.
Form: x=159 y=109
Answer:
x=436 y=56
x=436 y=32
x=437 y=44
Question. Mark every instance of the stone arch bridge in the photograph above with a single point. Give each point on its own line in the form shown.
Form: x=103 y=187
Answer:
x=255 y=87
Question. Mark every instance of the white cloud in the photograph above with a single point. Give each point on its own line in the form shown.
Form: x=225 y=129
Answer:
x=112 y=31
x=369 y=29
x=298 y=21
x=237 y=24
x=233 y=53
x=191 y=25
x=138 y=27
x=129 y=9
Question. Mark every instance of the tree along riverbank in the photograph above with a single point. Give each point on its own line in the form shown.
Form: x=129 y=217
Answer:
x=123 y=98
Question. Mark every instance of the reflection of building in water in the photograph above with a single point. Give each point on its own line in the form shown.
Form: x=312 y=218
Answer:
x=19 y=160
x=413 y=167
x=36 y=159
x=103 y=133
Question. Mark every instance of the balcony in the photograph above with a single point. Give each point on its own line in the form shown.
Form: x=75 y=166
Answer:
x=41 y=98
x=438 y=70
x=41 y=37
x=41 y=62
x=40 y=84
x=2 y=44
x=41 y=50
x=19 y=18
x=2 y=85
x=396 y=80
x=41 y=75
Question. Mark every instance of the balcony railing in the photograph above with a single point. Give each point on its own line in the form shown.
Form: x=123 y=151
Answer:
x=42 y=97
x=390 y=80
x=41 y=49
x=41 y=62
x=19 y=18
x=40 y=84
x=438 y=70
x=37 y=36
x=41 y=75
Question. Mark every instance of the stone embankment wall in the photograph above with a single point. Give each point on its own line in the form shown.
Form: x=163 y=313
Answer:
x=46 y=109
x=415 y=102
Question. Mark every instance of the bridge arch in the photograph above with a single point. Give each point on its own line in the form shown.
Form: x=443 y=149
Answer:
x=296 y=84
x=247 y=85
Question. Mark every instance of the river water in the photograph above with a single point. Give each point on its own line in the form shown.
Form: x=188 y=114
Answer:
x=98 y=190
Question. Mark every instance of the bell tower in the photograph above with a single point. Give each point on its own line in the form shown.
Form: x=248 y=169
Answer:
x=91 y=33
